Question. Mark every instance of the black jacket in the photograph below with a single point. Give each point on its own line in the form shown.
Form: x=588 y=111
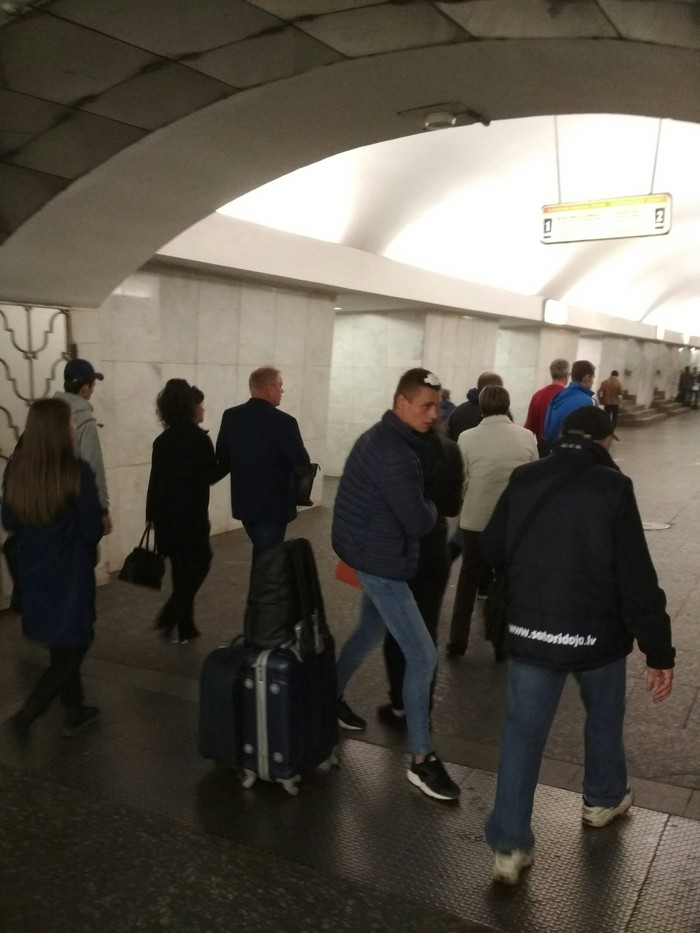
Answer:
x=183 y=466
x=581 y=584
x=261 y=446
x=443 y=472
x=465 y=416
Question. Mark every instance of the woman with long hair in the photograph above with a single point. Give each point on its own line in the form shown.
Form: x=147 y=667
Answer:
x=183 y=467
x=51 y=505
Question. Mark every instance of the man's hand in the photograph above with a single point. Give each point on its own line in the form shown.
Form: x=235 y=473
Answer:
x=660 y=682
x=107 y=524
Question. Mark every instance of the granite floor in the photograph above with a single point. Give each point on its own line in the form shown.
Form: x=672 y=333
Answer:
x=126 y=828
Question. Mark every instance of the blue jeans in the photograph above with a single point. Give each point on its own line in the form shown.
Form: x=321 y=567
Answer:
x=264 y=535
x=389 y=604
x=533 y=697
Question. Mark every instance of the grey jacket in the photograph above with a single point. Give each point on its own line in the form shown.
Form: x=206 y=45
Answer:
x=87 y=443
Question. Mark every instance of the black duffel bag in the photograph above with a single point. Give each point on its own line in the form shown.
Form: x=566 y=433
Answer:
x=144 y=567
x=285 y=604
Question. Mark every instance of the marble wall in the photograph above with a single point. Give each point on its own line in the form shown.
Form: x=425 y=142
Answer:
x=458 y=348
x=517 y=352
x=212 y=332
x=370 y=352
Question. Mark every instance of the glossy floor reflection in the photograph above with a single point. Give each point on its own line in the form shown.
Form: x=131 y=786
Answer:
x=126 y=828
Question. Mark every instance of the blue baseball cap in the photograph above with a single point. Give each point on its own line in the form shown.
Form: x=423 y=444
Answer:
x=80 y=372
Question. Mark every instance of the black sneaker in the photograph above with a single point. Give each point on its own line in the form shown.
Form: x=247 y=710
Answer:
x=79 y=719
x=349 y=720
x=433 y=780
x=391 y=716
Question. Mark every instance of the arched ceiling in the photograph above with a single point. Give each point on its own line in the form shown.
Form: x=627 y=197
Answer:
x=124 y=122
x=466 y=202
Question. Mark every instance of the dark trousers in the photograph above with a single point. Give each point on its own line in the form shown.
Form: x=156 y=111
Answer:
x=612 y=411
x=470 y=573
x=428 y=588
x=61 y=678
x=189 y=570
x=264 y=535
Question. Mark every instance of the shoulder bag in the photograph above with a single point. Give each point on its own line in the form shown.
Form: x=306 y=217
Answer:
x=144 y=567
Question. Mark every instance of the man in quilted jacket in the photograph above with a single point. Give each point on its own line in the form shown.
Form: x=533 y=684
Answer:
x=380 y=515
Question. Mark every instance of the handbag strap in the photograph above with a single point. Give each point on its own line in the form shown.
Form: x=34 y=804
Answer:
x=146 y=536
x=536 y=507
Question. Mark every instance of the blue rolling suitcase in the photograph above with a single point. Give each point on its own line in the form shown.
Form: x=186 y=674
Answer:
x=287 y=717
x=268 y=713
x=269 y=709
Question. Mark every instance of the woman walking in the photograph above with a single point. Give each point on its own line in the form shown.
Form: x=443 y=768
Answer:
x=183 y=467
x=51 y=505
x=490 y=452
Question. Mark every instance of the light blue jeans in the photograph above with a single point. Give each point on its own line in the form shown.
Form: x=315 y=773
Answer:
x=533 y=698
x=389 y=604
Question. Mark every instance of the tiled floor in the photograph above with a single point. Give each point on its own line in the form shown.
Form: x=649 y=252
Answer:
x=126 y=828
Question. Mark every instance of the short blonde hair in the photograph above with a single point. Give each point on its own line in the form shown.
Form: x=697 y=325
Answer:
x=262 y=377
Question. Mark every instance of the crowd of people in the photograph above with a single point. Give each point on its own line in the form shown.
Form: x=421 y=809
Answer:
x=546 y=502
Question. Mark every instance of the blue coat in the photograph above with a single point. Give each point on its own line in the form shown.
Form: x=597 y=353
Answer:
x=569 y=399
x=261 y=447
x=56 y=569
x=380 y=511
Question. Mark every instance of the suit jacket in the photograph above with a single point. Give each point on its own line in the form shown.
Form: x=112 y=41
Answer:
x=261 y=447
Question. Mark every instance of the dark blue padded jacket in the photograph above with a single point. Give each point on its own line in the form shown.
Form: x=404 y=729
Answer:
x=380 y=510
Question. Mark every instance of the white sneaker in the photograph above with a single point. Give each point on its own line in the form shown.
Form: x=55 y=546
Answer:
x=507 y=866
x=601 y=816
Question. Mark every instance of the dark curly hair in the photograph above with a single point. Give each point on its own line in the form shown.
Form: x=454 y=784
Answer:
x=176 y=403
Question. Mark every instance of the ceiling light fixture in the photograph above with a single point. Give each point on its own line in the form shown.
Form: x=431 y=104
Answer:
x=443 y=115
x=439 y=120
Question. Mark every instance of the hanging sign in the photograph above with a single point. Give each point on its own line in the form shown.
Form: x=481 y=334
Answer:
x=609 y=219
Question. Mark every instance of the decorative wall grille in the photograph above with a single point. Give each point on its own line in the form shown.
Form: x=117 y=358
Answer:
x=34 y=345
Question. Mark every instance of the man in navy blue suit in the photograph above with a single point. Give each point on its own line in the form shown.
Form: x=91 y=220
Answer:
x=262 y=449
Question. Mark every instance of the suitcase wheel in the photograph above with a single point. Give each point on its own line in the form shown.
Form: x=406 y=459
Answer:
x=330 y=761
x=292 y=785
x=248 y=778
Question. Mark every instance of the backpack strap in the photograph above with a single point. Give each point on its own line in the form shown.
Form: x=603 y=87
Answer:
x=312 y=629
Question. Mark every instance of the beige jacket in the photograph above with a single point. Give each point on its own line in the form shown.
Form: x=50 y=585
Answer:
x=490 y=451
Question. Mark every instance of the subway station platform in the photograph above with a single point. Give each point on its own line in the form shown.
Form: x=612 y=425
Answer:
x=124 y=828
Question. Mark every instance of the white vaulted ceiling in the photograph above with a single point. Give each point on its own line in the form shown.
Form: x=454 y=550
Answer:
x=466 y=202
x=124 y=123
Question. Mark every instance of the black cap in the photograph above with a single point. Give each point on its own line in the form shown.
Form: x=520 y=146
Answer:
x=80 y=372
x=590 y=422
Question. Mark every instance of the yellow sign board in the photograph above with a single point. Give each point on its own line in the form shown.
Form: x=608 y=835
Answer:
x=607 y=219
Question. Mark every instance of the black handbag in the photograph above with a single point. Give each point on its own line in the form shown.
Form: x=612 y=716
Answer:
x=303 y=483
x=144 y=567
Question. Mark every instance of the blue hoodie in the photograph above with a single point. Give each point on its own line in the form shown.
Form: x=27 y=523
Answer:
x=569 y=399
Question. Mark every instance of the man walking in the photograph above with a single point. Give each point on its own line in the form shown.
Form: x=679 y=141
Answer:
x=581 y=589
x=79 y=379
x=262 y=449
x=468 y=414
x=610 y=395
x=380 y=515
x=579 y=392
x=559 y=371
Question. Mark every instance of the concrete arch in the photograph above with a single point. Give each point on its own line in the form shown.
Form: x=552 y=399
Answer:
x=88 y=238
